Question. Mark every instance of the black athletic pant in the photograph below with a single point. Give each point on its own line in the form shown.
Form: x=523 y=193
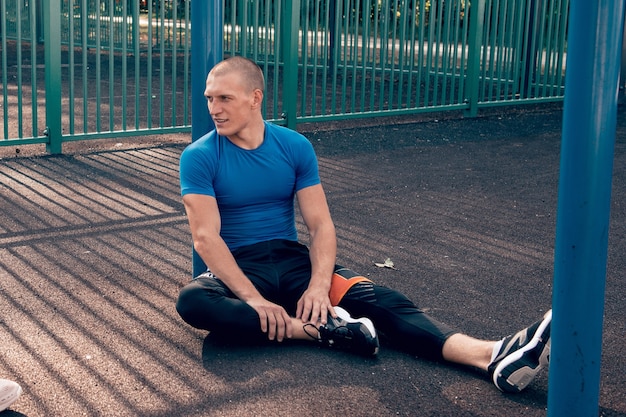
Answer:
x=281 y=271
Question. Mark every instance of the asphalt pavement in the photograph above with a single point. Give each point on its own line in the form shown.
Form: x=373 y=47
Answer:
x=94 y=247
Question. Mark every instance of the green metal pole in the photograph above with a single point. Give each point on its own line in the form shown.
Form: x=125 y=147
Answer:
x=290 y=55
x=477 y=17
x=52 y=40
x=582 y=228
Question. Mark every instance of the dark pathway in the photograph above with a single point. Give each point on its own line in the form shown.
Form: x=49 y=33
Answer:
x=94 y=247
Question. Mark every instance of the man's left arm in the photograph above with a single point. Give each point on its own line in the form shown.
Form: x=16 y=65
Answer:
x=314 y=305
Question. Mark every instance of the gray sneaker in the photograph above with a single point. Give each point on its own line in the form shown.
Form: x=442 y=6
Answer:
x=522 y=356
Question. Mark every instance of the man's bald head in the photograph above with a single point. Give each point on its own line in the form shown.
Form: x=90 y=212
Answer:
x=249 y=72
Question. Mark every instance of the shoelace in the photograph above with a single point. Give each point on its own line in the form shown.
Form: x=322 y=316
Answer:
x=339 y=330
x=312 y=336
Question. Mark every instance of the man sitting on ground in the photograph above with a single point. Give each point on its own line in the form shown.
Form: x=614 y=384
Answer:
x=239 y=183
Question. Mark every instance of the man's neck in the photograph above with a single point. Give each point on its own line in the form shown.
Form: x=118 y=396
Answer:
x=250 y=138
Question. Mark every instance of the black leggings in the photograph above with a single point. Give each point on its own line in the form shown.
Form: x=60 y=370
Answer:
x=281 y=270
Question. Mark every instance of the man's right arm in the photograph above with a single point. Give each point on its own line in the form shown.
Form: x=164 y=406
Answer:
x=205 y=223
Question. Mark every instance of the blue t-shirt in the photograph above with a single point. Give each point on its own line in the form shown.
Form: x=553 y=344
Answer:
x=254 y=189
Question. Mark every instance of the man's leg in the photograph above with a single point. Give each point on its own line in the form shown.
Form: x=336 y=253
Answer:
x=399 y=319
x=466 y=350
x=206 y=303
x=512 y=363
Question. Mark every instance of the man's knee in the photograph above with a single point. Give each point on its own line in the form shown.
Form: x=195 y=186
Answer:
x=205 y=304
x=188 y=302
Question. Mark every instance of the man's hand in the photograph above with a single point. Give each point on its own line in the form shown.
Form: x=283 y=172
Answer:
x=314 y=306
x=274 y=319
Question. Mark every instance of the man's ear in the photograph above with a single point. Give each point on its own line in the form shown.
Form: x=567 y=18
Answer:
x=257 y=98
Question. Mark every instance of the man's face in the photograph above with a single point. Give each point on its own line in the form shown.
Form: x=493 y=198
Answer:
x=230 y=105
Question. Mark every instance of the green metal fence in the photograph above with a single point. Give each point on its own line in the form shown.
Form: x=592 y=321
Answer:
x=112 y=70
x=115 y=69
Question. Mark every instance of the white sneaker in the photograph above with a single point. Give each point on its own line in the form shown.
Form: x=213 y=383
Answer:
x=522 y=356
x=9 y=392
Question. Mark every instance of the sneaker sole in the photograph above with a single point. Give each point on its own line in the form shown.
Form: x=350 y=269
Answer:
x=343 y=314
x=518 y=378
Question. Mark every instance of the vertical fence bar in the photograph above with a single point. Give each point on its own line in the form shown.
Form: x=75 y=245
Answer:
x=380 y=65
x=545 y=49
x=510 y=54
x=84 y=17
x=589 y=128
x=124 y=58
x=375 y=37
x=445 y=50
x=531 y=49
x=436 y=42
x=137 y=60
x=149 y=67
x=174 y=59
x=516 y=46
x=187 y=64
x=5 y=95
x=18 y=30
x=486 y=48
x=335 y=51
x=290 y=53
x=411 y=54
x=34 y=36
x=563 y=15
x=277 y=49
x=392 y=34
x=365 y=52
x=72 y=66
x=269 y=39
x=161 y=34
x=306 y=29
x=540 y=26
x=345 y=57
x=430 y=51
x=461 y=41
x=256 y=26
x=420 y=58
x=477 y=15
x=111 y=29
x=98 y=42
x=316 y=52
x=500 y=46
x=52 y=40
x=491 y=49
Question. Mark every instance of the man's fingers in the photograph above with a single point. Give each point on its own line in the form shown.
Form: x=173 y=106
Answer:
x=263 y=319
x=300 y=309
x=304 y=311
x=316 y=315
x=271 y=326
x=276 y=323
x=325 y=313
